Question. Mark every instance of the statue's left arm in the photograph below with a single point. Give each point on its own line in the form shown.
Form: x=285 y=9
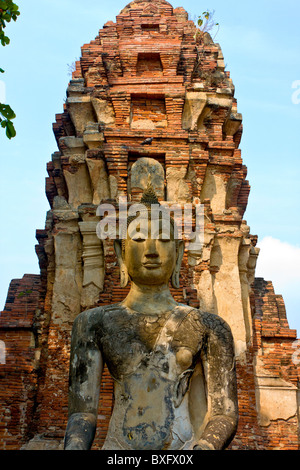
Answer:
x=219 y=367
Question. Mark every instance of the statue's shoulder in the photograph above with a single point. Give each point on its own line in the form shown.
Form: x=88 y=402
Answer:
x=212 y=323
x=216 y=325
x=96 y=315
x=191 y=315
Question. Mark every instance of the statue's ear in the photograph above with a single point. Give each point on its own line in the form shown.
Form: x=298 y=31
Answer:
x=175 y=275
x=123 y=269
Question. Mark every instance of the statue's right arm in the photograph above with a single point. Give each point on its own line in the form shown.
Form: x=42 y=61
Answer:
x=86 y=366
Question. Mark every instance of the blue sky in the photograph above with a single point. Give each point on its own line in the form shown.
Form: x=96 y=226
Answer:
x=261 y=46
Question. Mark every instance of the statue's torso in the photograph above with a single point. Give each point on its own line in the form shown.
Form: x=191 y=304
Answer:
x=151 y=359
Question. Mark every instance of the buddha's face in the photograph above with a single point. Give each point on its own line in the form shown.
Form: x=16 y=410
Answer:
x=150 y=261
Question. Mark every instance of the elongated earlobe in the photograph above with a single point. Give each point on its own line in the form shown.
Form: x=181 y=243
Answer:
x=124 y=278
x=175 y=281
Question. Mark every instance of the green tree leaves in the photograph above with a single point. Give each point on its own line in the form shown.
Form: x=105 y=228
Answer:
x=205 y=23
x=7 y=115
x=8 y=11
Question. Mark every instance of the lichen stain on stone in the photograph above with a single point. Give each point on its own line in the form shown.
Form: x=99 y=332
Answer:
x=152 y=384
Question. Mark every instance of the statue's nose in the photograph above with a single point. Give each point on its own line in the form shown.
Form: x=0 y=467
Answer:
x=150 y=249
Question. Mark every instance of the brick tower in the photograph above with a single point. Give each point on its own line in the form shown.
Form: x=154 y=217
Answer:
x=146 y=75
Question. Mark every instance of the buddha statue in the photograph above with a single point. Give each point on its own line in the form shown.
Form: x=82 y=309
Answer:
x=173 y=366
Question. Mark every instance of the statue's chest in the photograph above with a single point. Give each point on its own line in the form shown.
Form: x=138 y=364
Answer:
x=129 y=341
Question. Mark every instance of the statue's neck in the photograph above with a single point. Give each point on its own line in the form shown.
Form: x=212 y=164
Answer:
x=149 y=299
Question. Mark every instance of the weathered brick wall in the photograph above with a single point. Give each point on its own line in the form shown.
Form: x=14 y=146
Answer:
x=19 y=361
x=276 y=348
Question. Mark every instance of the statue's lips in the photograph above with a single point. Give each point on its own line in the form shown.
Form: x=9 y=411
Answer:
x=151 y=265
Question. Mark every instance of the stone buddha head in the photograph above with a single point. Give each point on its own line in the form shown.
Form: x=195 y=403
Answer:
x=150 y=252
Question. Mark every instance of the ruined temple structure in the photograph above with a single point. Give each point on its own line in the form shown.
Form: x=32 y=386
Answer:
x=146 y=75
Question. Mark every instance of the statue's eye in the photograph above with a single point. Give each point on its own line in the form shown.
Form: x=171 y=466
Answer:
x=139 y=239
x=164 y=237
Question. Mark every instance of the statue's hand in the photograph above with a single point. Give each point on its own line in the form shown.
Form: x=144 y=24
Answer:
x=203 y=445
x=75 y=444
x=80 y=431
